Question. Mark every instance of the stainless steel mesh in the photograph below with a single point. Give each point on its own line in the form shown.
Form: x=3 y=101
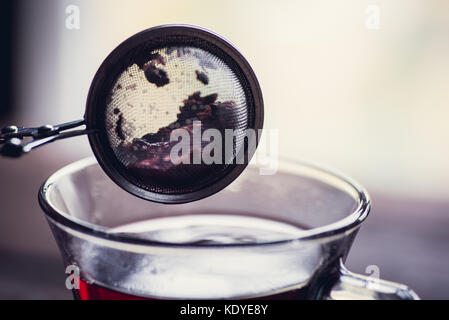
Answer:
x=171 y=88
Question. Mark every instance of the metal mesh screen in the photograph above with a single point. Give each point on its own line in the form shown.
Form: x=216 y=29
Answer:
x=167 y=89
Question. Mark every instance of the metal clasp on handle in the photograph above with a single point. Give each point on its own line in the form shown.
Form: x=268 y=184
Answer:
x=11 y=137
x=351 y=286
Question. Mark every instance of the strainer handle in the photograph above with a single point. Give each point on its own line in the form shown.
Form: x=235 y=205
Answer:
x=351 y=286
x=11 y=137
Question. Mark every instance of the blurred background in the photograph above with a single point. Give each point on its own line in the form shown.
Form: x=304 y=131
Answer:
x=360 y=86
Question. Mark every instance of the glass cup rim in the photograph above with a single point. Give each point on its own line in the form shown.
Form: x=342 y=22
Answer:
x=341 y=226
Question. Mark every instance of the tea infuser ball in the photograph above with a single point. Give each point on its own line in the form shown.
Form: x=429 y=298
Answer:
x=158 y=82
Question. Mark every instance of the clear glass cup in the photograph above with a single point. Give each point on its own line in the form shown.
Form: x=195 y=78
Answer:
x=281 y=236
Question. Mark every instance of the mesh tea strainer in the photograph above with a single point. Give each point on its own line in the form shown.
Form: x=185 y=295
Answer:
x=164 y=80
